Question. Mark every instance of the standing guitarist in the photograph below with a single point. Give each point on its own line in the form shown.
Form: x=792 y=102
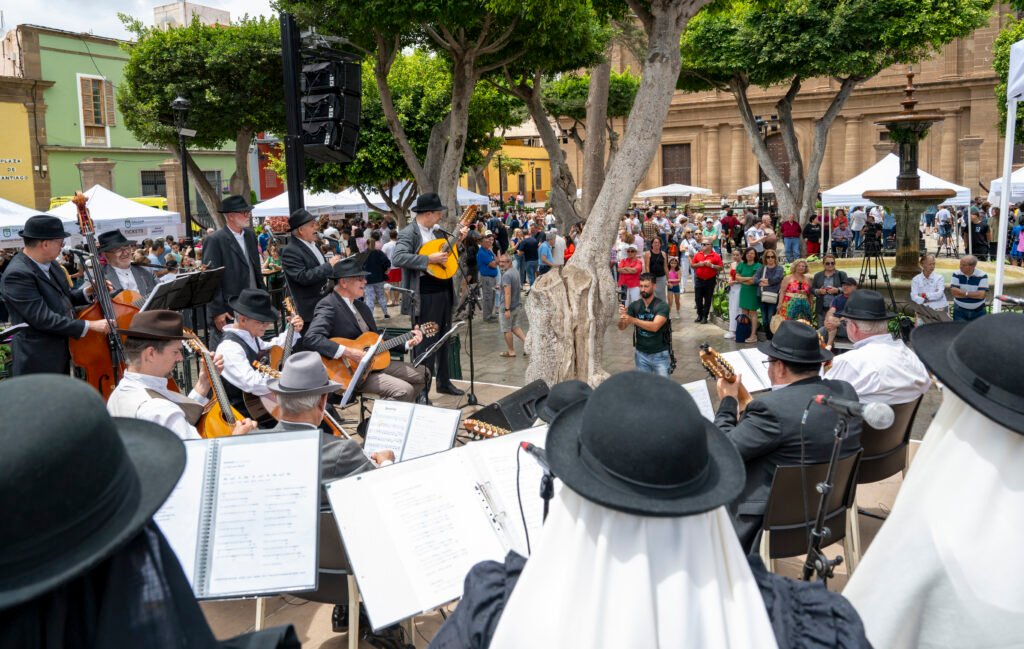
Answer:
x=343 y=315
x=437 y=296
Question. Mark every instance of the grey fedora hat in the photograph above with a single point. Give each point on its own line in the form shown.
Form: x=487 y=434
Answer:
x=303 y=374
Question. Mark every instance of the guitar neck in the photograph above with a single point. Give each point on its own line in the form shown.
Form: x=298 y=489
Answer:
x=287 y=350
x=218 y=388
x=395 y=342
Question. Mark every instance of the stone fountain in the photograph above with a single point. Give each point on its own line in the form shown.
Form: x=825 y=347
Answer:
x=908 y=201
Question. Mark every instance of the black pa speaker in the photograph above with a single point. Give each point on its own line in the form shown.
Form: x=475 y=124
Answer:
x=517 y=411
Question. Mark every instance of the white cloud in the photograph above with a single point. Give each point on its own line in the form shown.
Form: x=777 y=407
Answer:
x=100 y=16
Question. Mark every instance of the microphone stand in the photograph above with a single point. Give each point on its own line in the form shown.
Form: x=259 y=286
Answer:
x=816 y=561
x=469 y=304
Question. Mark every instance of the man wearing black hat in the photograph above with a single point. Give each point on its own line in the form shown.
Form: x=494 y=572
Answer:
x=307 y=271
x=437 y=296
x=153 y=347
x=638 y=549
x=772 y=432
x=343 y=315
x=118 y=251
x=882 y=369
x=941 y=571
x=84 y=564
x=235 y=249
x=37 y=294
x=243 y=344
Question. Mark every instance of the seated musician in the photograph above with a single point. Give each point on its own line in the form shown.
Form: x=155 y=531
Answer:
x=769 y=431
x=343 y=315
x=153 y=346
x=119 y=271
x=637 y=550
x=243 y=343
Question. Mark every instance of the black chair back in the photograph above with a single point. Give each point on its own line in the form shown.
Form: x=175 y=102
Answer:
x=885 y=451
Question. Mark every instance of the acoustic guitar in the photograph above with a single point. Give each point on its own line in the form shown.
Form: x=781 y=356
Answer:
x=448 y=269
x=219 y=417
x=280 y=353
x=719 y=368
x=273 y=408
x=479 y=430
x=341 y=369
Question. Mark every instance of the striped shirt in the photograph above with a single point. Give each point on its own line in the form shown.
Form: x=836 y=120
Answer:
x=977 y=281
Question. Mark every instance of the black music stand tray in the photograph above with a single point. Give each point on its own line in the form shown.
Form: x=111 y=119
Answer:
x=437 y=344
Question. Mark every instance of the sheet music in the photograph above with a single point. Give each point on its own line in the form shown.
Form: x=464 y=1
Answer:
x=388 y=426
x=755 y=361
x=265 y=523
x=700 y=393
x=749 y=365
x=361 y=369
x=496 y=461
x=179 y=517
x=431 y=430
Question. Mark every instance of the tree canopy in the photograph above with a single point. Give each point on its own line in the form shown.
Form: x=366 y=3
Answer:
x=566 y=96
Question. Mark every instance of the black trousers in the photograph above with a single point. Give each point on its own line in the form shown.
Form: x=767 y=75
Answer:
x=703 y=291
x=436 y=307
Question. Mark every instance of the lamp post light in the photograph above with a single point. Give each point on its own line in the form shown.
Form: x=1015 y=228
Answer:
x=533 y=184
x=501 y=184
x=180 y=106
x=765 y=127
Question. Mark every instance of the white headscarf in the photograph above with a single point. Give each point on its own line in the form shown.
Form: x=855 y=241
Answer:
x=603 y=579
x=944 y=569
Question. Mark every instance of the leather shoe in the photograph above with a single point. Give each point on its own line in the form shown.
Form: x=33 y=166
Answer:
x=698 y=320
x=450 y=389
x=423 y=399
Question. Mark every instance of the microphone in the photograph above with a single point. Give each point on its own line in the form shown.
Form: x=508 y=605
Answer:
x=876 y=415
x=437 y=228
x=402 y=290
x=1009 y=299
x=537 y=453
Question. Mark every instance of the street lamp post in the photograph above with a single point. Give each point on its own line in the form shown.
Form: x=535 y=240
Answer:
x=501 y=185
x=533 y=184
x=765 y=127
x=180 y=106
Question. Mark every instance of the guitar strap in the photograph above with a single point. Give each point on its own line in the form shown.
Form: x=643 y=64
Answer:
x=192 y=409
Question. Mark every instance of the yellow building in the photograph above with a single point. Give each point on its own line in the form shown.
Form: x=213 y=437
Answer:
x=522 y=144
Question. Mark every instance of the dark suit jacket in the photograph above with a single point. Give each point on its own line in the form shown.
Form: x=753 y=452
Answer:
x=333 y=319
x=145 y=279
x=221 y=250
x=46 y=303
x=308 y=279
x=769 y=434
x=408 y=258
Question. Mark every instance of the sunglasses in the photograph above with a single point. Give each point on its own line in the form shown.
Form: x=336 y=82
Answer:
x=830 y=263
x=769 y=256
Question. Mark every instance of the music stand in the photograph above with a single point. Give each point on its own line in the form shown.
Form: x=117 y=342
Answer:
x=437 y=344
x=366 y=361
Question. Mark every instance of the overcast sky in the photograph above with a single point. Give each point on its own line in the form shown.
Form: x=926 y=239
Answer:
x=100 y=16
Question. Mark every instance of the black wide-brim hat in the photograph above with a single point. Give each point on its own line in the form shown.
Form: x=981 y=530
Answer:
x=255 y=303
x=112 y=241
x=158 y=324
x=75 y=486
x=865 y=304
x=234 y=204
x=429 y=202
x=299 y=218
x=561 y=396
x=795 y=342
x=971 y=359
x=43 y=227
x=640 y=445
x=350 y=266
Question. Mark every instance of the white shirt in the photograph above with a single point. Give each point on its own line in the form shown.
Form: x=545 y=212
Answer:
x=315 y=249
x=857 y=220
x=943 y=216
x=933 y=287
x=126 y=278
x=129 y=399
x=240 y=238
x=389 y=249
x=882 y=370
x=237 y=370
x=425 y=233
x=558 y=252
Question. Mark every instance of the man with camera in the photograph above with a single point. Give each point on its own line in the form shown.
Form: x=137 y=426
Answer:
x=652 y=334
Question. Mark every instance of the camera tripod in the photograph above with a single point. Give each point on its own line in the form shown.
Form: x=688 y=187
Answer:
x=872 y=267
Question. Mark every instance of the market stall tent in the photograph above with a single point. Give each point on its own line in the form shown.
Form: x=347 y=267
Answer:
x=111 y=211
x=882 y=175
x=12 y=220
x=675 y=189
x=995 y=191
x=751 y=190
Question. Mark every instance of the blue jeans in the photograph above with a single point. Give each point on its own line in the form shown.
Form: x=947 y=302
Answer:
x=856 y=239
x=792 y=246
x=767 y=313
x=531 y=272
x=656 y=363
x=961 y=314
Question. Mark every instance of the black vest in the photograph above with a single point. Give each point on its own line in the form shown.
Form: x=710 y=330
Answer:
x=234 y=393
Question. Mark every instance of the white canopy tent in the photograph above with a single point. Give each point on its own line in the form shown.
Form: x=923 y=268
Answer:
x=1014 y=94
x=882 y=175
x=675 y=189
x=109 y=211
x=995 y=192
x=751 y=190
x=315 y=202
x=12 y=220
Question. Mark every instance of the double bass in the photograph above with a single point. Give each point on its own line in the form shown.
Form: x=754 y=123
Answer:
x=100 y=356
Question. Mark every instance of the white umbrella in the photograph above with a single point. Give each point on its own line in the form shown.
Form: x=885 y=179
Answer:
x=751 y=190
x=675 y=189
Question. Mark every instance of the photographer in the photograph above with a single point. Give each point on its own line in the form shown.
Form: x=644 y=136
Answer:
x=652 y=336
x=872 y=237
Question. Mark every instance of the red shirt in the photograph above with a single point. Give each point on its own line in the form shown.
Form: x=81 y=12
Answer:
x=704 y=272
x=631 y=280
x=790 y=229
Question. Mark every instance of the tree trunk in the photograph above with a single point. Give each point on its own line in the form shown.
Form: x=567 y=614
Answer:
x=207 y=193
x=563 y=198
x=387 y=49
x=570 y=311
x=240 y=177
x=594 y=148
x=463 y=82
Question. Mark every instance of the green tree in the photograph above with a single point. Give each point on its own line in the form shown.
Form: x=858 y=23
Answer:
x=1010 y=34
x=232 y=76
x=474 y=37
x=735 y=44
x=566 y=98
